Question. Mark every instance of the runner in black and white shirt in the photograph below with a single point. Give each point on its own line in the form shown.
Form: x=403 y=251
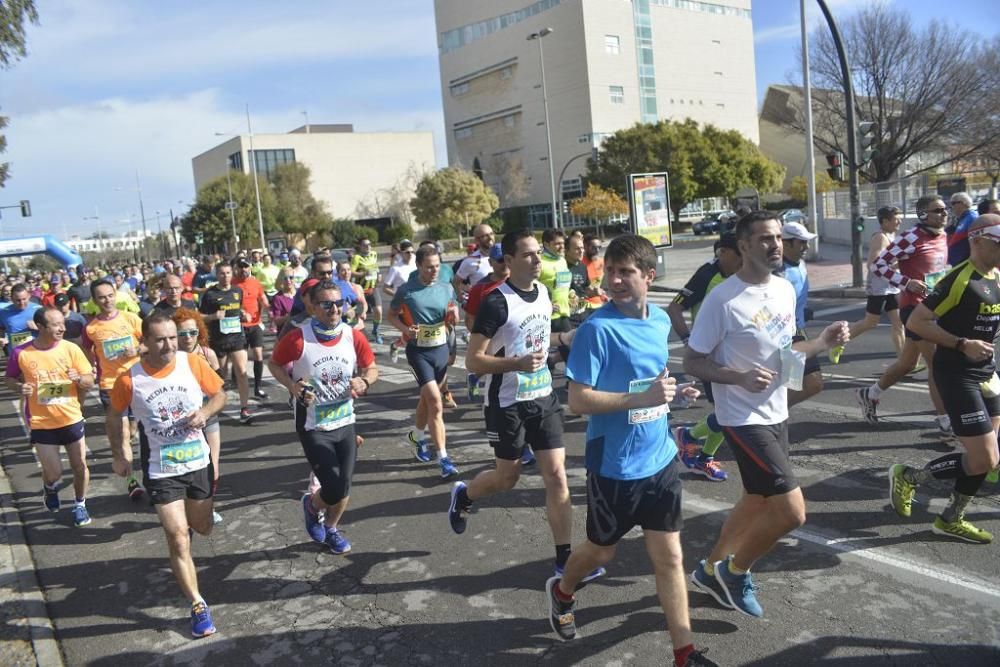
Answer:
x=509 y=348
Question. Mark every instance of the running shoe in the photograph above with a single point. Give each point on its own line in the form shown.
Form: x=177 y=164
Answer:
x=448 y=468
x=449 y=400
x=869 y=406
x=688 y=447
x=245 y=416
x=961 y=529
x=561 y=616
x=739 y=589
x=421 y=450
x=697 y=659
x=527 y=456
x=260 y=394
x=315 y=528
x=709 y=468
x=394 y=352
x=201 y=620
x=81 y=517
x=135 y=492
x=337 y=542
x=993 y=476
x=707 y=583
x=456 y=513
x=379 y=340
x=472 y=380
x=51 y=495
x=216 y=518
x=900 y=491
x=560 y=570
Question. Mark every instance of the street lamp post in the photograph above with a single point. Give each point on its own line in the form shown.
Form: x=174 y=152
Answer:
x=537 y=36
x=231 y=205
x=256 y=185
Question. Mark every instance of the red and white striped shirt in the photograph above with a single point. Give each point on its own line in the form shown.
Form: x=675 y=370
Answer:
x=918 y=252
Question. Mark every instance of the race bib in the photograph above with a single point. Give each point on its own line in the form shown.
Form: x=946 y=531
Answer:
x=330 y=416
x=533 y=385
x=182 y=454
x=931 y=279
x=431 y=335
x=113 y=348
x=645 y=415
x=19 y=338
x=371 y=275
x=793 y=365
x=563 y=279
x=54 y=393
x=230 y=325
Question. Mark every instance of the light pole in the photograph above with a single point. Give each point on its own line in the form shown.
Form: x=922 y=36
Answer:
x=810 y=151
x=142 y=211
x=231 y=205
x=256 y=185
x=537 y=36
x=100 y=240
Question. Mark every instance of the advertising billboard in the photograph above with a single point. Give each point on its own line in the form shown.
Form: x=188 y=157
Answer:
x=649 y=205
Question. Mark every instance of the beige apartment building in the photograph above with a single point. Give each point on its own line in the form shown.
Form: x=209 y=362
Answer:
x=350 y=170
x=609 y=64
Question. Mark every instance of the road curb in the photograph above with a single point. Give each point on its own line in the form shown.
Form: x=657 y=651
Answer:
x=29 y=590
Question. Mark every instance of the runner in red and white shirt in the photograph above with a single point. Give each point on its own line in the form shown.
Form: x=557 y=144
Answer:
x=921 y=256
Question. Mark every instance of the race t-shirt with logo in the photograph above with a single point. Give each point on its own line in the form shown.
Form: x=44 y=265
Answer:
x=367 y=264
x=252 y=291
x=227 y=332
x=161 y=400
x=967 y=305
x=742 y=325
x=615 y=353
x=425 y=306
x=15 y=324
x=111 y=340
x=517 y=323
x=327 y=366
x=919 y=254
x=557 y=278
x=55 y=401
x=267 y=276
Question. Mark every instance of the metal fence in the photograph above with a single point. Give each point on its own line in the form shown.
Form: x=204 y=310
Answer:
x=902 y=193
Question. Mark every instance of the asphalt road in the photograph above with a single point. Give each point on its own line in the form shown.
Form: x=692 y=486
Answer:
x=855 y=586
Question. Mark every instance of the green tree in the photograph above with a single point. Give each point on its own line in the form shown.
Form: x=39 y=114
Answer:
x=453 y=198
x=210 y=217
x=798 y=189
x=14 y=17
x=297 y=211
x=700 y=162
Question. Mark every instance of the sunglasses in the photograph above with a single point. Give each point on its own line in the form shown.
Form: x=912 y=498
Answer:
x=328 y=305
x=324 y=274
x=187 y=333
x=940 y=211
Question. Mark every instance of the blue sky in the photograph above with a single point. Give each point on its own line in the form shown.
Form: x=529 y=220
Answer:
x=110 y=87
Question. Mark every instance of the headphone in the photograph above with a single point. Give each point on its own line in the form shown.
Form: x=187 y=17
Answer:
x=921 y=215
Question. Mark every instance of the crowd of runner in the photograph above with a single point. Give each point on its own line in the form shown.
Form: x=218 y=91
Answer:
x=161 y=343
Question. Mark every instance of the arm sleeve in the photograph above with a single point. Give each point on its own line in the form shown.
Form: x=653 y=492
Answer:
x=586 y=356
x=710 y=326
x=363 y=351
x=898 y=249
x=491 y=316
x=121 y=392
x=288 y=348
x=694 y=291
x=208 y=379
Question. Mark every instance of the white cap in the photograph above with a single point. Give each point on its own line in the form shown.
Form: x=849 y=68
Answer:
x=294 y=252
x=796 y=230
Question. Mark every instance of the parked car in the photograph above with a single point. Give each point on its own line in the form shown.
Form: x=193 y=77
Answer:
x=792 y=215
x=711 y=223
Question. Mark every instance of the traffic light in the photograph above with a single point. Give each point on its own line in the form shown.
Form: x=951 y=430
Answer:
x=836 y=168
x=595 y=156
x=25 y=208
x=867 y=129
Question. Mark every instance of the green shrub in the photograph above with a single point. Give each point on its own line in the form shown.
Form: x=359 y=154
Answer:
x=441 y=231
x=397 y=232
x=365 y=232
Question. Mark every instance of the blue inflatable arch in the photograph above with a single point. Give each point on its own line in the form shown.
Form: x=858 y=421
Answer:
x=36 y=245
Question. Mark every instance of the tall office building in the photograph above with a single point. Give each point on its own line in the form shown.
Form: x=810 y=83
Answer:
x=608 y=65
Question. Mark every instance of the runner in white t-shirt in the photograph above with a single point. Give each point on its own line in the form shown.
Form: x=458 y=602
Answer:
x=742 y=344
x=397 y=276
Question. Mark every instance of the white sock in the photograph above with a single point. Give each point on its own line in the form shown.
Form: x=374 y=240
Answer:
x=418 y=434
x=875 y=392
x=944 y=422
x=442 y=453
x=80 y=503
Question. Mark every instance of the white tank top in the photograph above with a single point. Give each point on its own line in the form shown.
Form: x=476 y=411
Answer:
x=161 y=405
x=876 y=285
x=329 y=370
x=528 y=328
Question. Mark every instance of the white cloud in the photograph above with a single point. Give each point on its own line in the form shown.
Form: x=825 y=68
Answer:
x=840 y=9
x=776 y=33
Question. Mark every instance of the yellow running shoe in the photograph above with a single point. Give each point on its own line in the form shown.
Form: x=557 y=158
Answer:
x=961 y=529
x=900 y=491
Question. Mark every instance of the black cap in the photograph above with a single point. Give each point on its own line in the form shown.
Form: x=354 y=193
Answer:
x=242 y=262
x=61 y=299
x=727 y=240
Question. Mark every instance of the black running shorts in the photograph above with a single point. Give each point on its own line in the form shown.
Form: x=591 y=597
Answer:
x=881 y=303
x=615 y=506
x=762 y=455
x=904 y=314
x=254 y=336
x=537 y=423
x=196 y=485
x=970 y=411
x=429 y=364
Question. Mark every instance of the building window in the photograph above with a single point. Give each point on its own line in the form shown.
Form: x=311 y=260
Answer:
x=460 y=89
x=236 y=161
x=463 y=133
x=617 y=94
x=612 y=44
x=267 y=161
x=506 y=72
x=717 y=73
x=472 y=32
x=572 y=188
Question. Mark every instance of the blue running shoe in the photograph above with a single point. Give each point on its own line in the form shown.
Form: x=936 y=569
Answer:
x=315 y=528
x=51 y=495
x=707 y=583
x=201 y=621
x=337 y=542
x=81 y=517
x=456 y=511
x=420 y=449
x=448 y=468
x=527 y=456
x=594 y=574
x=739 y=589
